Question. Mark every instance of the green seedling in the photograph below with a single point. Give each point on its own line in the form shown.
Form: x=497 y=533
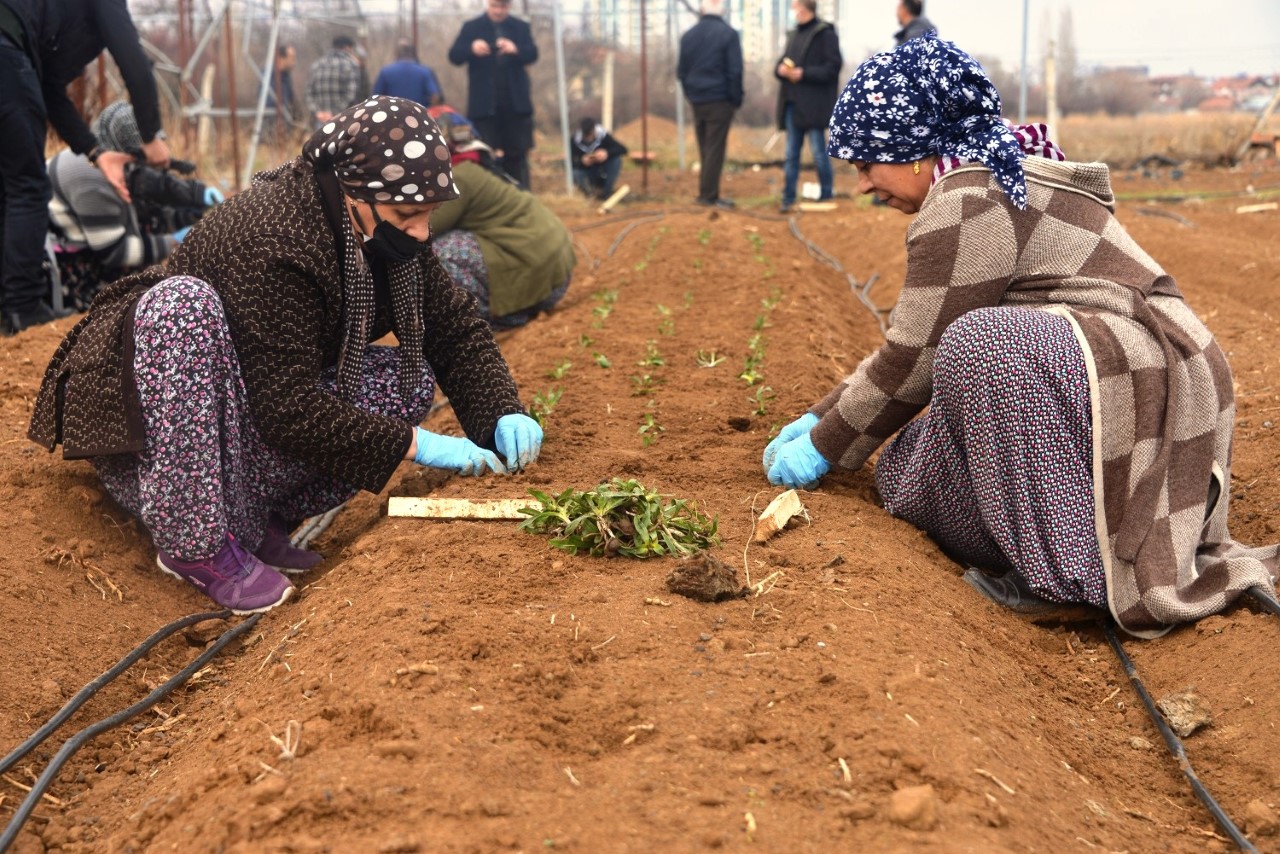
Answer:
x=559 y=371
x=704 y=236
x=775 y=428
x=761 y=323
x=667 y=327
x=770 y=302
x=751 y=373
x=708 y=358
x=584 y=341
x=645 y=384
x=697 y=263
x=544 y=403
x=652 y=358
x=602 y=360
x=761 y=398
x=621 y=518
x=649 y=430
x=688 y=299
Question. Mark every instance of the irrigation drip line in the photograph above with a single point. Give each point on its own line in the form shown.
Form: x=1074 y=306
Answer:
x=1175 y=744
x=314 y=527
x=860 y=290
x=1266 y=599
x=71 y=745
x=82 y=696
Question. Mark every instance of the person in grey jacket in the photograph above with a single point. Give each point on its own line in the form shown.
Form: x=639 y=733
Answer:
x=710 y=70
x=912 y=21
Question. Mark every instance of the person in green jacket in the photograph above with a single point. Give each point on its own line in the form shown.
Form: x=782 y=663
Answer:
x=496 y=240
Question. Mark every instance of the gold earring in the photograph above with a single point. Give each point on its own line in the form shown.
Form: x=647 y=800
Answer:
x=915 y=168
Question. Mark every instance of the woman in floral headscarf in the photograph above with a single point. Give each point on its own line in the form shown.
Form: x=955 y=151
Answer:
x=235 y=391
x=1078 y=435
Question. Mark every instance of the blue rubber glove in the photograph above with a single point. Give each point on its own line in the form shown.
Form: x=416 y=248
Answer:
x=519 y=439
x=798 y=465
x=213 y=196
x=794 y=430
x=454 y=453
x=181 y=234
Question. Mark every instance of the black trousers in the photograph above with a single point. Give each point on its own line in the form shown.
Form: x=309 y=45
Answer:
x=711 y=123
x=24 y=184
x=513 y=136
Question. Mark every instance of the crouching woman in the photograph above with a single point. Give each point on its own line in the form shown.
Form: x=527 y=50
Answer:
x=1077 y=443
x=236 y=390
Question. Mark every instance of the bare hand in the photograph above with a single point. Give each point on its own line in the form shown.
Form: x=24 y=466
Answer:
x=797 y=74
x=323 y=116
x=112 y=164
x=506 y=46
x=480 y=47
x=157 y=153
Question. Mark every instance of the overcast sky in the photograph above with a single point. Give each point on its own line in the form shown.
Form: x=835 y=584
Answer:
x=1209 y=37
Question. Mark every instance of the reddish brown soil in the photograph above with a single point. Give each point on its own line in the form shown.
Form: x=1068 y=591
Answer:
x=559 y=707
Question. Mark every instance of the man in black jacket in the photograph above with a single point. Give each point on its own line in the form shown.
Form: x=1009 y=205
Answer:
x=912 y=20
x=710 y=70
x=497 y=49
x=44 y=45
x=810 y=75
x=597 y=158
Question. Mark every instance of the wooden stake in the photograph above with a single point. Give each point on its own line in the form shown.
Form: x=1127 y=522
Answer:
x=618 y=195
x=459 y=508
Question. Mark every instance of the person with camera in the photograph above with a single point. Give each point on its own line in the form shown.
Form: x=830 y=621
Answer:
x=44 y=45
x=98 y=236
x=497 y=50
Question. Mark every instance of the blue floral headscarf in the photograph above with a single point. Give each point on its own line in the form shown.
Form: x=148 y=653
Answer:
x=926 y=97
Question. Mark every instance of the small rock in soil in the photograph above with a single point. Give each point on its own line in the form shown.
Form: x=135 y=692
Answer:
x=1260 y=819
x=1139 y=743
x=706 y=579
x=1186 y=712
x=915 y=807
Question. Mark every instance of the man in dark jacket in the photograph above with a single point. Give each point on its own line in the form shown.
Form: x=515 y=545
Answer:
x=497 y=49
x=597 y=159
x=409 y=78
x=44 y=45
x=810 y=75
x=710 y=70
x=912 y=20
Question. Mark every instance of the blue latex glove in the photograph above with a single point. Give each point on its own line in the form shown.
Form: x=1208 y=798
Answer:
x=519 y=439
x=213 y=196
x=794 y=430
x=798 y=465
x=181 y=234
x=454 y=453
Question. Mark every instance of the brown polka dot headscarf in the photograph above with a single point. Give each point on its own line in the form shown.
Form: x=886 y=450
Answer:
x=385 y=150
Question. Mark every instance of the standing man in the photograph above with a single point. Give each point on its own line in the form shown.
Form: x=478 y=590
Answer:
x=44 y=45
x=408 y=78
x=281 y=96
x=333 y=84
x=710 y=70
x=497 y=48
x=810 y=75
x=912 y=20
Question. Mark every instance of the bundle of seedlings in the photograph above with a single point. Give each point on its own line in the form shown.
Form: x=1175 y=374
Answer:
x=621 y=517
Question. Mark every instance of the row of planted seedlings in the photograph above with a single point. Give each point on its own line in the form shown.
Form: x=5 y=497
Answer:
x=620 y=517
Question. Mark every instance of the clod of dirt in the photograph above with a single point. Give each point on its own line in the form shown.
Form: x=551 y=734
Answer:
x=739 y=423
x=1186 y=712
x=1260 y=819
x=706 y=579
x=915 y=807
x=1140 y=743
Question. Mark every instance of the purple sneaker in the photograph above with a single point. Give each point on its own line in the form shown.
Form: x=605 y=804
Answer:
x=233 y=578
x=277 y=553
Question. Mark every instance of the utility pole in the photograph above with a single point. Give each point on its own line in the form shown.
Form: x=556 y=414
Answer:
x=1022 y=85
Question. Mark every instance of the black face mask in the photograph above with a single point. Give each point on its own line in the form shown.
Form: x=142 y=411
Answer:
x=388 y=242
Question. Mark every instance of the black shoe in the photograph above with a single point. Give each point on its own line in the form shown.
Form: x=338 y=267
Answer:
x=1010 y=590
x=785 y=208
x=14 y=321
x=722 y=202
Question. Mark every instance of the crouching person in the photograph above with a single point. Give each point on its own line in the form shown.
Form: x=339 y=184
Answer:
x=235 y=391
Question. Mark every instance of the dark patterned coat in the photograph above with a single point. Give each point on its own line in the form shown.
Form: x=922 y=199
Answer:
x=272 y=258
x=1163 y=403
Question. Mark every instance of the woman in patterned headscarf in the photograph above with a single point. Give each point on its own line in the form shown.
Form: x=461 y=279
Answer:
x=230 y=394
x=1078 y=435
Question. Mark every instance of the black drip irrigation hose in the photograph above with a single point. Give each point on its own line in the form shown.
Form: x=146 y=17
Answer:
x=102 y=681
x=1175 y=744
x=71 y=745
x=1266 y=599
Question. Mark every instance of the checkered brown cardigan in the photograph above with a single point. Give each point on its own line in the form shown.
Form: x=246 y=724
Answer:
x=1162 y=397
x=272 y=258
